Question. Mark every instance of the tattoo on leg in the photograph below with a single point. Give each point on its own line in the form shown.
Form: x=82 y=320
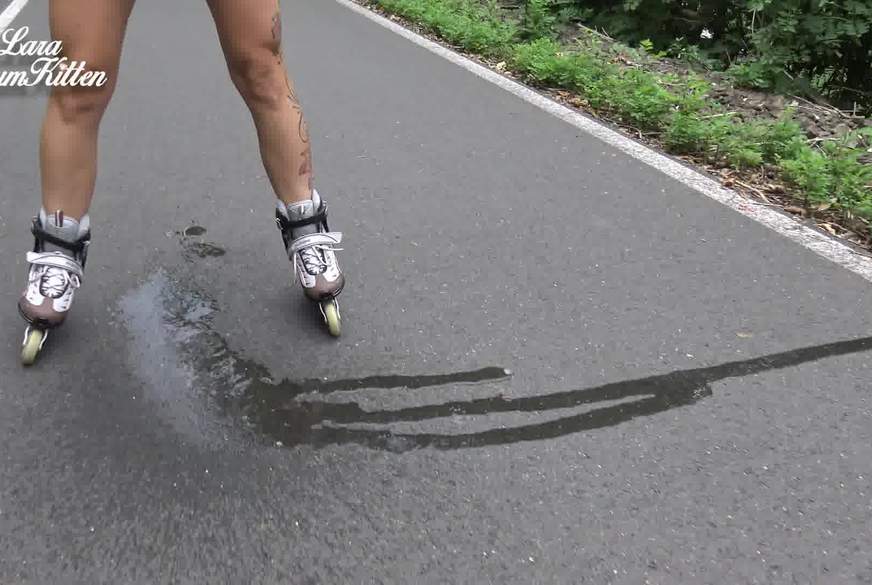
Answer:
x=304 y=131
x=302 y=128
x=277 y=31
x=277 y=27
x=292 y=97
x=306 y=166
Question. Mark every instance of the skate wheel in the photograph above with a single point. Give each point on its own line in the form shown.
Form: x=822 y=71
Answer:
x=33 y=341
x=331 y=317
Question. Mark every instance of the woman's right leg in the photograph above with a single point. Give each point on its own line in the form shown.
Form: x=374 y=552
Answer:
x=91 y=31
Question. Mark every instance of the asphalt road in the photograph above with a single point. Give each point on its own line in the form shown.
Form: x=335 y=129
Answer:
x=558 y=365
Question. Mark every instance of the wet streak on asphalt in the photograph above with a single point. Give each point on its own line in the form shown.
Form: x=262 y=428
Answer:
x=182 y=345
x=193 y=244
x=482 y=233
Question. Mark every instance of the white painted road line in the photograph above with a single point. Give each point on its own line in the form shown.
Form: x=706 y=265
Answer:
x=827 y=247
x=8 y=15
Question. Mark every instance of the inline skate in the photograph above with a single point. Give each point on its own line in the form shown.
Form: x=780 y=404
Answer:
x=57 y=263
x=311 y=246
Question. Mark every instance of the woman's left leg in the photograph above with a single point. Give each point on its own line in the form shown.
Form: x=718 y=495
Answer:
x=251 y=37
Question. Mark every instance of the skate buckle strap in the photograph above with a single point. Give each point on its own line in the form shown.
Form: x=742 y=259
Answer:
x=43 y=236
x=320 y=239
x=319 y=216
x=55 y=260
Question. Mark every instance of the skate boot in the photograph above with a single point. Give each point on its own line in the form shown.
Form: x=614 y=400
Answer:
x=56 y=266
x=311 y=247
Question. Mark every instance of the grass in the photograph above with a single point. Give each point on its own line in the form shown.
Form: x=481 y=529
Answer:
x=674 y=108
x=473 y=26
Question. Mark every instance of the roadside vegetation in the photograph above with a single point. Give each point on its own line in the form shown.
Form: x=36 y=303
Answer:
x=787 y=145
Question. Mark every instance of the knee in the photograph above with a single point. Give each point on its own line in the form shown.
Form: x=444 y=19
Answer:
x=260 y=79
x=82 y=104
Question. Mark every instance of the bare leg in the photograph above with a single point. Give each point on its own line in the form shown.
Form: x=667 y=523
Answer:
x=91 y=31
x=251 y=37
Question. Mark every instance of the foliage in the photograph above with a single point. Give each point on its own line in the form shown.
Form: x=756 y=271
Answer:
x=466 y=23
x=802 y=46
x=675 y=108
x=537 y=21
x=827 y=39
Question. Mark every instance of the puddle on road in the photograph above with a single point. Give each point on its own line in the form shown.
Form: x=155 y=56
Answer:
x=205 y=387
x=194 y=376
x=194 y=230
x=193 y=245
x=204 y=249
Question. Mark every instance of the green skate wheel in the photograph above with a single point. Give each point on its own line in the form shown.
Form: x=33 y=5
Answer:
x=331 y=317
x=33 y=340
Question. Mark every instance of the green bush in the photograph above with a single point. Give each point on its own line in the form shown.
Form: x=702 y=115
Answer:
x=465 y=23
x=824 y=40
x=637 y=96
x=832 y=174
x=686 y=134
x=796 y=45
x=808 y=171
x=537 y=20
x=674 y=107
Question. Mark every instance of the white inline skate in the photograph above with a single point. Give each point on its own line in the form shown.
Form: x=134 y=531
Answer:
x=57 y=263
x=311 y=246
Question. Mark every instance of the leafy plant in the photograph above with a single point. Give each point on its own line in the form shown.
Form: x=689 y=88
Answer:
x=466 y=23
x=568 y=13
x=808 y=171
x=692 y=54
x=674 y=107
x=536 y=20
x=648 y=46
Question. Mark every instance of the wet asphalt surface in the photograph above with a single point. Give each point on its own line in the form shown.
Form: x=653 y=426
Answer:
x=558 y=366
